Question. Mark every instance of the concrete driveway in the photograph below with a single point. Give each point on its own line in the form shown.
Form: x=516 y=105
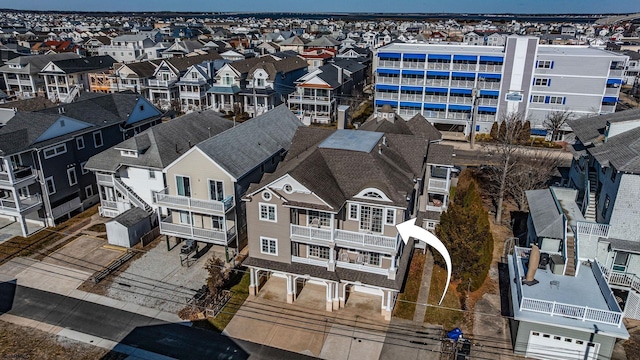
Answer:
x=356 y=332
x=86 y=253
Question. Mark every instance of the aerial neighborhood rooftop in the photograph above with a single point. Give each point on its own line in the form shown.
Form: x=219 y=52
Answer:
x=251 y=173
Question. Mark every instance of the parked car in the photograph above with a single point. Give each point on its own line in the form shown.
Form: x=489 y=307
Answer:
x=189 y=246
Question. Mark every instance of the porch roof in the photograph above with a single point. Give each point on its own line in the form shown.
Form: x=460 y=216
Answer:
x=224 y=89
x=622 y=245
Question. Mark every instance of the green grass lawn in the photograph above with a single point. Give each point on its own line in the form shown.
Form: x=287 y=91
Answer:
x=240 y=292
x=405 y=306
x=448 y=313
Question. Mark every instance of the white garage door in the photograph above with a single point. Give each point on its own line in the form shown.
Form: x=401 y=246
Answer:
x=554 y=347
x=367 y=290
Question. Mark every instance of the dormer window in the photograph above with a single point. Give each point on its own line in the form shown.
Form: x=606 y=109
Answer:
x=129 y=153
x=260 y=82
x=372 y=194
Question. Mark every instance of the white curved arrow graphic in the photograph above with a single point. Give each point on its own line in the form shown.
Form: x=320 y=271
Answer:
x=409 y=229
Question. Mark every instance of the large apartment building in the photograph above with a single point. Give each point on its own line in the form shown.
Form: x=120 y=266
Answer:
x=447 y=83
x=327 y=216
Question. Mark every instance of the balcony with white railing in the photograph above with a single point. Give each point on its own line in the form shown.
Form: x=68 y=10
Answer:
x=622 y=279
x=462 y=83
x=459 y=115
x=488 y=101
x=460 y=100
x=19 y=176
x=310 y=99
x=104 y=179
x=437 y=82
x=559 y=295
x=493 y=85
x=442 y=99
x=362 y=267
x=412 y=81
x=411 y=97
x=309 y=261
x=616 y=73
x=486 y=118
x=66 y=207
x=372 y=241
x=164 y=198
x=393 y=80
x=490 y=68
x=9 y=207
x=413 y=64
x=438 y=65
x=389 y=64
x=160 y=83
x=464 y=67
x=214 y=236
x=386 y=95
x=406 y=113
x=310 y=234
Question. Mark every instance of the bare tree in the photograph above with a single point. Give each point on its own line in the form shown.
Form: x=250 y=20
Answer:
x=556 y=120
x=507 y=152
x=530 y=171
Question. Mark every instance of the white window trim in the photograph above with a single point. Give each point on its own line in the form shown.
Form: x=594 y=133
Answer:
x=93 y=136
x=56 y=151
x=541 y=82
x=383 y=197
x=264 y=238
x=152 y=172
x=53 y=185
x=88 y=189
x=209 y=180
x=176 y=176
x=386 y=217
x=189 y=217
x=80 y=140
x=551 y=100
x=75 y=176
x=357 y=208
x=82 y=169
x=266 y=195
x=538 y=99
x=275 y=212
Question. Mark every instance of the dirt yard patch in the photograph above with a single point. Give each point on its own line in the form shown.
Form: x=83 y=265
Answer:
x=19 y=342
x=406 y=305
x=86 y=253
x=449 y=313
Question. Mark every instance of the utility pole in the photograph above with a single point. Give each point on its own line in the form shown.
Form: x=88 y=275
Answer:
x=474 y=117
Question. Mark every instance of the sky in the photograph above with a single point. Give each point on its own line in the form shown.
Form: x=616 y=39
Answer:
x=395 y=6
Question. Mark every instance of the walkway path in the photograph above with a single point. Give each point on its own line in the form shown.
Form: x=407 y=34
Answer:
x=423 y=294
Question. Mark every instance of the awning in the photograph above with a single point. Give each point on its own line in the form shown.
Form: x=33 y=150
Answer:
x=389 y=55
x=614 y=81
x=415 y=56
x=439 y=57
x=388 y=71
x=492 y=58
x=623 y=245
x=609 y=99
x=465 y=58
x=489 y=76
x=386 y=102
x=487 y=109
x=438 y=73
x=387 y=87
x=410 y=104
x=490 y=92
x=539 y=132
x=412 y=88
x=460 y=107
x=435 y=106
x=413 y=72
x=436 y=90
x=463 y=74
x=461 y=91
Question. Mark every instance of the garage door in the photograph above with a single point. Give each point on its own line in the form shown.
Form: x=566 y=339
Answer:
x=554 y=347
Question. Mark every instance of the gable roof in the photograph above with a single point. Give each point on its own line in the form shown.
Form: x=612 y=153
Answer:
x=162 y=143
x=621 y=151
x=35 y=63
x=69 y=66
x=547 y=218
x=242 y=148
x=417 y=125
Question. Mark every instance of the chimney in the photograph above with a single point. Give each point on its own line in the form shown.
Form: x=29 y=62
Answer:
x=340 y=75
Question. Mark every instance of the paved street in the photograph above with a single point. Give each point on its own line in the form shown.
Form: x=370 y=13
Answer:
x=127 y=328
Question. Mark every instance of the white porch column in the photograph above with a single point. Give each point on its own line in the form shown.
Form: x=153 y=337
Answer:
x=331 y=265
x=329 y=296
x=23 y=226
x=252 y=284
x=290 y=291
x=342 y=294
x=387 y=297
x=393 y=269
x=336 y=296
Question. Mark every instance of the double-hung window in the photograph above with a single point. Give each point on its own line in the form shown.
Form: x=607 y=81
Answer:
x=320 y=252
x=183 y=186
x=216 y=192
x=268 y=212
x=71 y=174
x=319 y=218
x=97 y=139
x=268 y=246
x=185 y=218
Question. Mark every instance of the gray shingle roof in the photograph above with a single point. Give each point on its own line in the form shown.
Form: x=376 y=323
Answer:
x=547 y=218
x=336 y=175
x=242 y=148
x=69 y=66
x=621 y=151
x=590 y=130
x=417 y=125
x=440 y=154
x=131 y=217
x=164 y=142
x=33 y=64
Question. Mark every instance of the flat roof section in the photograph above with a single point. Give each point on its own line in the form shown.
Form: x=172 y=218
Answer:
x=443 y=49
x=352 y=140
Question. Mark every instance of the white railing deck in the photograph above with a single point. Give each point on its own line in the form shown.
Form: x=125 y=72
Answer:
x=187 y=231
x=16 y=176
x=310 y=261
x=438 y=184
x=103 y=178
x=623 y=279
x=554 y=308
x=310 y=233
x=585 y=228
x=362 y=267
x=163 y=198
x=362 y=239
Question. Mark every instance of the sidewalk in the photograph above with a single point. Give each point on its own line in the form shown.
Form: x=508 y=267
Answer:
x=423 y=294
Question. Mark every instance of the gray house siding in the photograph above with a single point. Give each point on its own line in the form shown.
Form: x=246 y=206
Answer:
x=259 y=228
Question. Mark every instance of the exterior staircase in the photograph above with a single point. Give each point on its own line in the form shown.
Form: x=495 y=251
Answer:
x=133 y=197
x=571 y=256
x=590 y=213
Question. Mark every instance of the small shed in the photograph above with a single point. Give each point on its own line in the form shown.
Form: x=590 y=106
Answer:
x=126 y=229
